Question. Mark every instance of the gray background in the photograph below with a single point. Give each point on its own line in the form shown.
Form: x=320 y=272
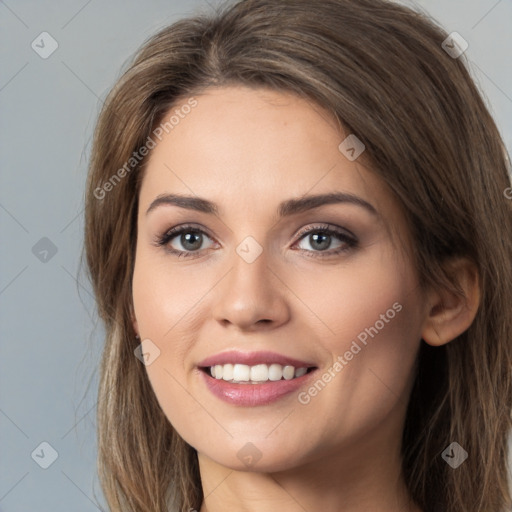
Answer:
x=50 y=341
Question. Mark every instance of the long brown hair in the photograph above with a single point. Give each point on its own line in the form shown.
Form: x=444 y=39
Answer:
x=381 y=70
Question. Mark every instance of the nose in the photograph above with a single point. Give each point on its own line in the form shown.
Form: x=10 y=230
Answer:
x=251 y=297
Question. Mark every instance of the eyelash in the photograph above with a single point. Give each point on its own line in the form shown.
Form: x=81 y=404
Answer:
x=349 y=240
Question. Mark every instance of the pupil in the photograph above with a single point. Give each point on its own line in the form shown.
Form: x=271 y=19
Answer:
x=322 y=241
x=192 y=239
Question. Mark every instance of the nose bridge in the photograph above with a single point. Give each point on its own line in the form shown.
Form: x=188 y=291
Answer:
x=250 y=293
x=250 y=272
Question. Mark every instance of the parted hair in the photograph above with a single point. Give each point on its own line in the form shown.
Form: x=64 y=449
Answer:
x=381 y=70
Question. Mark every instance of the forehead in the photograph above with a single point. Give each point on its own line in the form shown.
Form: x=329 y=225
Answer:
x=252 y=148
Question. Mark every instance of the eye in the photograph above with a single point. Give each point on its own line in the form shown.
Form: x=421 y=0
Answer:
x=323 y=237
x=323 y=241
x=184 y=241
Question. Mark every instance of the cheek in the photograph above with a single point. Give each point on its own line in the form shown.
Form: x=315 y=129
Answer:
x=169 y=311
x=345 y=300
x=164 y=299
x=370 y=315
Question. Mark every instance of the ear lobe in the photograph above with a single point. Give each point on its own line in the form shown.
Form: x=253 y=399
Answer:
x=449 y=313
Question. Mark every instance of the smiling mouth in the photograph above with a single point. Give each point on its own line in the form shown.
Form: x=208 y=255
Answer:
x=257 y=374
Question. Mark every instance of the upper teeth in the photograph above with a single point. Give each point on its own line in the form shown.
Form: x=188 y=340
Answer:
x=257 y=373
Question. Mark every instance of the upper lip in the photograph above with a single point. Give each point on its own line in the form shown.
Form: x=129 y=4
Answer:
x=252 y=359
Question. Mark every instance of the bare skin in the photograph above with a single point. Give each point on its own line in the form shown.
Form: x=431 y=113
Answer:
x=338 y=451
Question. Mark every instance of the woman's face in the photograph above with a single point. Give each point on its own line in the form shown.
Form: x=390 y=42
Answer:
x=267 y=282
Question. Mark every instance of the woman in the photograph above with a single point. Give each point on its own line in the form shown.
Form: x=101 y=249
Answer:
x=297 y=230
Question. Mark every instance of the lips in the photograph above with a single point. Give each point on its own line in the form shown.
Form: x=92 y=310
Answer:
x=255 y=378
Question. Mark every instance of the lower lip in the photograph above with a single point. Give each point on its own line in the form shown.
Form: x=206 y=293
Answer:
x=250 y=395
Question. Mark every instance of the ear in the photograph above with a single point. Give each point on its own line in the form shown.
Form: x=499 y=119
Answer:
x=450 y=314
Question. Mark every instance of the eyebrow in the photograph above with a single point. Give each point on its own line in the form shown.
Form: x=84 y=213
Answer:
x=285 y=209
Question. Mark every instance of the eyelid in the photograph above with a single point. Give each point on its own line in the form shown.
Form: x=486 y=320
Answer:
x=176 y=230
x=325 y=227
